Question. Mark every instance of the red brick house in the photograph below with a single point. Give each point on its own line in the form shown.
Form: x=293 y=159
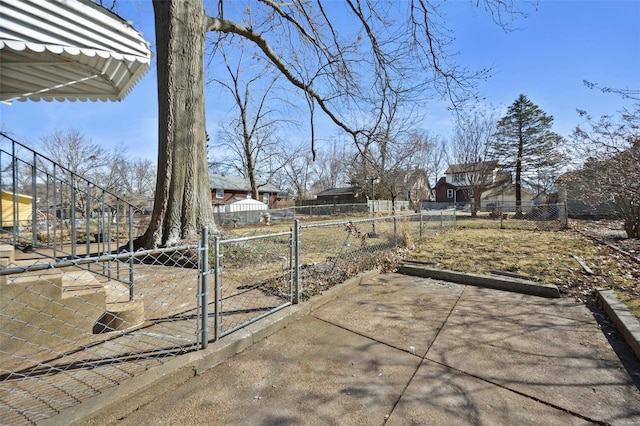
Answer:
x=228 y=189
x=462 y=180
x=446 y=192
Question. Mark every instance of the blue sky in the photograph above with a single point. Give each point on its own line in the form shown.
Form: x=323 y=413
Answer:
x=547 y=58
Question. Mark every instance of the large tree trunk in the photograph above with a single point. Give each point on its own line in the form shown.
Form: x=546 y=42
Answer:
x=631 y=216
x=183 y=197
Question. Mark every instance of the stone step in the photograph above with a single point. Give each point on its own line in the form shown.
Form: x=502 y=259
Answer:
x=81 y=296
x=7 y=251
x=121 y=316
x=78 y=280
x=117 y=292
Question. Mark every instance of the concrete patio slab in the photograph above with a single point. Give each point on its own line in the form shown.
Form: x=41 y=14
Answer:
x=403 y=350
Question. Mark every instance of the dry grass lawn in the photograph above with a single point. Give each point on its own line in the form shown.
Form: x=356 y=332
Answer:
x=544 y=256
x=480 y=246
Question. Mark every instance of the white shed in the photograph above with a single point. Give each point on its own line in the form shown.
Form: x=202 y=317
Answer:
x=245 y=205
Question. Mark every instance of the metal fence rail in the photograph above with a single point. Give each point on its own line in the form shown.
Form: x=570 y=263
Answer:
x=51 y=210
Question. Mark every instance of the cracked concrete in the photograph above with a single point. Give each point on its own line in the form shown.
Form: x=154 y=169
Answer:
x=401 y=350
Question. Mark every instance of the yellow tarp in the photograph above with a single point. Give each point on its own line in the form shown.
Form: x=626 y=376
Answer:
x=24 y=209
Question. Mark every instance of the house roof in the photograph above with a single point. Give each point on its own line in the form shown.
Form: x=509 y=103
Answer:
x=471 y=167
x=9 y=196
x=237 y=183
x=334 y=192
x=443 y=182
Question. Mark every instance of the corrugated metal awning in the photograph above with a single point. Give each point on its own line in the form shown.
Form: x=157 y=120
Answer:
x=67 y=50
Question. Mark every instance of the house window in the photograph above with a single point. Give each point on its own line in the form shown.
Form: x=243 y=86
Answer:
x=449 y=193
x=219 y=194
x=265 y=198
x=458 y=177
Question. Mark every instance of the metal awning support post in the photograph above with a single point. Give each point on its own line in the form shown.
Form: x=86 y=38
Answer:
x=34 y=206
x=73 y=215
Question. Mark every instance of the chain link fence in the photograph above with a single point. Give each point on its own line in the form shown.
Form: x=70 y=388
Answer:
x=309 y=212
x=332 y=252
x=545 y=217
x=69 y=334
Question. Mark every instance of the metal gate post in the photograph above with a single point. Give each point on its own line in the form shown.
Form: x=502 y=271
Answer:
x=216 y=284
x=296 y=251
x=131 y=252
x=204 y=288
x=292 y=262
x=395 y=230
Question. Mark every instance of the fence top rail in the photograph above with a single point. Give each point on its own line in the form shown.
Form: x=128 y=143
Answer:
x=346 y=222
x=93 y=259
x=436 y=212
x=254 y=237
x=522 y=204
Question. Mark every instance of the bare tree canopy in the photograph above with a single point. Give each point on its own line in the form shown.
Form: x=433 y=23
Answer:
x=470 y=152
x=113 y=168
x=352 y=60
x=252 y=138
x=611 y=172
x=625 y=93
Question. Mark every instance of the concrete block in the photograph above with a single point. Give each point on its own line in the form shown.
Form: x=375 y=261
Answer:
x=120 y=316
x=626 y=323
x=498 y=283
x=7 y=251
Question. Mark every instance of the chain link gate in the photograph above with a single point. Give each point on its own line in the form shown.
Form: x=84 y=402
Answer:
x=252 y=278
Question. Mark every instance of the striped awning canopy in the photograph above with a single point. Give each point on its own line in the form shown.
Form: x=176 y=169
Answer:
x=67 y=50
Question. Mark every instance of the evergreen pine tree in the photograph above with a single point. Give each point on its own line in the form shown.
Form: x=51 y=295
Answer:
x=525 y=144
